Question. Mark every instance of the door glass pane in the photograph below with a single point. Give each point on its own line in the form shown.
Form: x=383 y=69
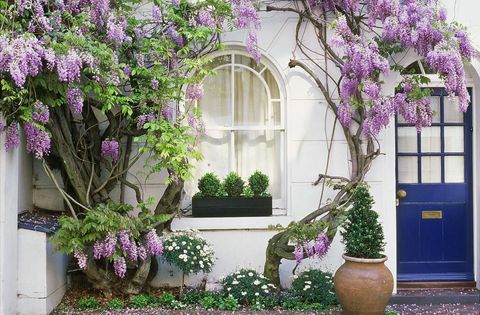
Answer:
x=451 y=112
x=454 y=169
x=216 y=102
x=453 y=139
x=251 y=100
x=407 y=169
x=407 y=139
x=431 y=139
x=259 y=150
x=435 y=105
x=431 y=169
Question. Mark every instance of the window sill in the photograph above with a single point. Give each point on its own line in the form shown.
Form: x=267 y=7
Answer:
x=230 y=223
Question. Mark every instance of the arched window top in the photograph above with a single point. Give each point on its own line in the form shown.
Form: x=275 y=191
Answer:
x=418 y=67
x=242 y=93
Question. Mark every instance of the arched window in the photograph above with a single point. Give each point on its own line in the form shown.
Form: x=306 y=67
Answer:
x=244 y=126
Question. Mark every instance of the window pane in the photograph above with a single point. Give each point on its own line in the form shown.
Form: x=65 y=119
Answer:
x=453 y=139
x=277 y=113
x=454 y=169
x=431 y=139
x=260 y=150
x=247 y=61
x=435 y=105
x=216 y=103
x=407 y=139
x=271 y=83
x=218 y=61
x=407 y=169
x=251 y=101
x=213 y=144
x=431 y=169
x=451 y=112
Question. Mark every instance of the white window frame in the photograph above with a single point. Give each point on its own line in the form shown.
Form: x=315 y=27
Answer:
x=279 y=205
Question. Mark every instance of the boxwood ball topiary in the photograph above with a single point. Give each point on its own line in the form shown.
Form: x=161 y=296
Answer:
x=233 y=185
x=258 y=183
x=209 y=185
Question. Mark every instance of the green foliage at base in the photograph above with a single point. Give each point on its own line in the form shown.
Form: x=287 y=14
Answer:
x=116 y=304
x=314 y=286
x=88 y=303
x=247 y=286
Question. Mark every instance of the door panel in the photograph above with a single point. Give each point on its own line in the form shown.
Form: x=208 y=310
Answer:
x=434 y=218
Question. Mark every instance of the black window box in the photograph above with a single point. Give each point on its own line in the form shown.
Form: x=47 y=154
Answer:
x=231 y=206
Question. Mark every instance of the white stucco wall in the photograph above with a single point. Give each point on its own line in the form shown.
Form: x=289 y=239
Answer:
x=15 y=196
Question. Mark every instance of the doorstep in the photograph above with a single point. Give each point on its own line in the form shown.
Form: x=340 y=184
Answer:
x=436 y=296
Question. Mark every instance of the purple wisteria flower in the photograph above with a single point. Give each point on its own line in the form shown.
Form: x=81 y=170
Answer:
x=69 y=66
x=75 y=100
x=142 y=252
x=143 y=119
x=206 y=19
x=132 y=252
x=318 y=248
x=153 y=243
x=120 y=267
x=124 y=239
x=116 y=27
x=81 y=259
x=167 y=113
x=110 y=149
x=154 y=83
x=38 y=141
x=40 y=113
x=195 y=92
x=105 y=248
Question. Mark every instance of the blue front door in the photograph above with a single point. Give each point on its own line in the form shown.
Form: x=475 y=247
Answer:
x=434 y=190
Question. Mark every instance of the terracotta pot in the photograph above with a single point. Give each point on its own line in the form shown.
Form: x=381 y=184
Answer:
x=363 y=286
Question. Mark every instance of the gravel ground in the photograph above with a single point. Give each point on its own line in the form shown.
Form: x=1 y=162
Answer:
x=440 y=309
x=412 y=309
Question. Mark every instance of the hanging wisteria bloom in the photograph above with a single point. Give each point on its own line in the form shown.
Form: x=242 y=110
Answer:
x=167 y=113
x=38 y=141
x=153 y=243
x=195 y=92
x=143 y=119
x=317 y=248
x=40 y=113
x=105 y=248
x=81 y=259
x=75 y=100
x=110 y=149
x=120 y=267
x=12 y=136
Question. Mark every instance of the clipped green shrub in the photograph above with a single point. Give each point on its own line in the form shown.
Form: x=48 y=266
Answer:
x=258 y=183
x=88 y=303
x=247 y=286
x=233 y=185
x=362 y=233
x=314 y=286
x=116 y=304
x=209 y=185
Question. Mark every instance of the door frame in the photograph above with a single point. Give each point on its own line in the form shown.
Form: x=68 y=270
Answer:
x=470 y=178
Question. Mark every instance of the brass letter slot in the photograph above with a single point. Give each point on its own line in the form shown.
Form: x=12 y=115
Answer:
x=437 y=214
